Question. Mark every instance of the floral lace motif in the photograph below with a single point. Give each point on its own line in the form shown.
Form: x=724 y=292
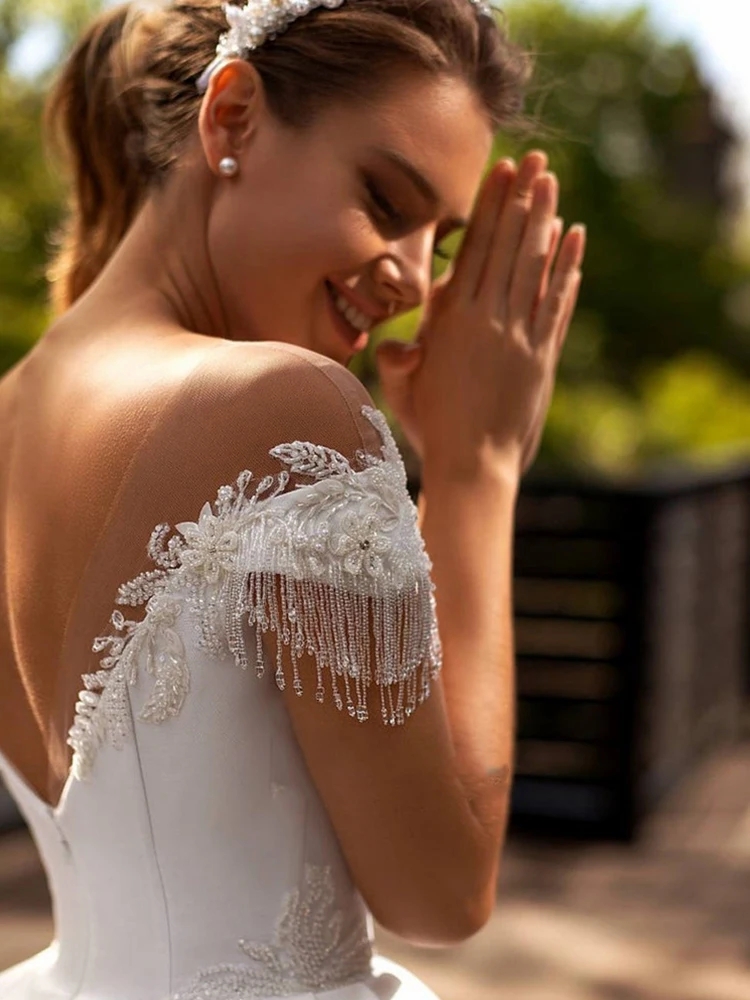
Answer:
x=315 y=947
x=335 y=567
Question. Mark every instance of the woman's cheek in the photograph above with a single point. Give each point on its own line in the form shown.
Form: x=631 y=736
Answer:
x=356 y=240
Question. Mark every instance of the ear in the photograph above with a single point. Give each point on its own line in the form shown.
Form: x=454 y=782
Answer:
x=232 y=107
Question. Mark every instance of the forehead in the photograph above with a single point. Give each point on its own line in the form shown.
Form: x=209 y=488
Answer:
x=435 y=122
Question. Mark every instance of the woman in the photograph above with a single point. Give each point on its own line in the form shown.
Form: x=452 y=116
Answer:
x=254 y=189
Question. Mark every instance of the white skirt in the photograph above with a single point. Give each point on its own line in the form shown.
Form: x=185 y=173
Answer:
x=389 y=981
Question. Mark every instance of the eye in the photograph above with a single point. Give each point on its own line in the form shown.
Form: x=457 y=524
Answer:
x=381 y=203
x=393 y=217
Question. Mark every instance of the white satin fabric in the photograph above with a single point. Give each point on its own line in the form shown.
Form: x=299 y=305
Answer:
x=185 y=840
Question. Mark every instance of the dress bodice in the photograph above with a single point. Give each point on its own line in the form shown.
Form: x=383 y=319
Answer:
x=190 y=856
x=198 y=862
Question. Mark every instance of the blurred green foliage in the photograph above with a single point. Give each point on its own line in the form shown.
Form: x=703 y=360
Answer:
x=694 y=408
x=657 y=364
x=640 y=157
x=658 y=361
x=30 y=191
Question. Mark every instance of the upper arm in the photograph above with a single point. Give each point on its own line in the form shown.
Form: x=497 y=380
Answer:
x=340 y=594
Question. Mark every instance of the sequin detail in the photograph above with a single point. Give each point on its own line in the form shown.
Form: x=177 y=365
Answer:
x=335 y=567
x=316 y=946
x=259 y=21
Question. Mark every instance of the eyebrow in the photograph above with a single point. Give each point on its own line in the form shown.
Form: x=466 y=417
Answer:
x=418 y=180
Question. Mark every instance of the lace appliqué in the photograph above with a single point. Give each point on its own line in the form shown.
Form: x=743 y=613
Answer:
x=102 y=710
x=315 y=947
x=336 y=568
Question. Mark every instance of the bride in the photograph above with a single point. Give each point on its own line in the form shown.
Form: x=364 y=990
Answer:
x=252 y=697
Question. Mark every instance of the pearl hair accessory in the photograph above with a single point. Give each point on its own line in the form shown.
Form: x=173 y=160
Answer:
x=228 y=166
x=260 y=20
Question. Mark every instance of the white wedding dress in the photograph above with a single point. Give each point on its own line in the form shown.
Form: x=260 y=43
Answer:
x=189 y=856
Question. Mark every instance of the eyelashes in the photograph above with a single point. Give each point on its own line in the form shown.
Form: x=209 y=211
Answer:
x=384 y=208
x=390 y=216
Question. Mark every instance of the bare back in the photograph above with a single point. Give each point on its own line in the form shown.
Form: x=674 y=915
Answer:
x=73 y=416
x=101 y=439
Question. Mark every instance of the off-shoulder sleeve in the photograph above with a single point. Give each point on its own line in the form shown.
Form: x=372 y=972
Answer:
x=335 y=567
x=320 y=548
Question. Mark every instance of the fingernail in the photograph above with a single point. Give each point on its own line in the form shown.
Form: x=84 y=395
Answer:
x=530 y=169
x=544 y=186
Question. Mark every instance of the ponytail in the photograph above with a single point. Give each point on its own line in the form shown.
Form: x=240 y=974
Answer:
x=92 y=120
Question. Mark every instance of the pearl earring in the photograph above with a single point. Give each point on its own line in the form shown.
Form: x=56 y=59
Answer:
x=228 y=166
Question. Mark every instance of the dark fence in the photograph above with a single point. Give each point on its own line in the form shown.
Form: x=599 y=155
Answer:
x=631 y=640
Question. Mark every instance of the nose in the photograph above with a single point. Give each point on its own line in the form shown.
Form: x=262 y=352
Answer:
x=404 y=273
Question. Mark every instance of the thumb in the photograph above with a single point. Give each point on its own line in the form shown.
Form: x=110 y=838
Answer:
x=396 y=359
x=396 y=363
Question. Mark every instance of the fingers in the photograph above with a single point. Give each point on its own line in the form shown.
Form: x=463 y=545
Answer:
x=553 y=307
x=469 y=262
x=570 y=308
x=531 y=446
x=533 y=259
x=509 y=230
x=554 y=244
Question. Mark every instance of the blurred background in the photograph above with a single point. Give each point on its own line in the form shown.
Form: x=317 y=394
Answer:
x=627 y=875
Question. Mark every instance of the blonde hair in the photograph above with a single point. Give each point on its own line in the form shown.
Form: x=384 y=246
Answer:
x=125 y=103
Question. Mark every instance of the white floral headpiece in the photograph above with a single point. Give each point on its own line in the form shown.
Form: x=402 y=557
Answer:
x=260 y=20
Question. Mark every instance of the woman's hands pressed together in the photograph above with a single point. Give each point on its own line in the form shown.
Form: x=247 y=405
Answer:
x=477 y=384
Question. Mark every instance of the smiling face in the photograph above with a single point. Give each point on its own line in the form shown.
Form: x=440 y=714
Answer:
x=343 y=216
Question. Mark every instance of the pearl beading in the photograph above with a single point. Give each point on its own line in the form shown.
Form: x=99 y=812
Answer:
x=335 y=568
x=260 y=21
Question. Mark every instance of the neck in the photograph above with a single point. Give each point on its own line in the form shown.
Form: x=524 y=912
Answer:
x=161 y=272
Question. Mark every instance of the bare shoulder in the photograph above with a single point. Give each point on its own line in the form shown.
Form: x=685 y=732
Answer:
x=245 y=363
x=280 y=392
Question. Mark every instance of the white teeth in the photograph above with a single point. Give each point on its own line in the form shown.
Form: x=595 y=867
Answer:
x=358 y=320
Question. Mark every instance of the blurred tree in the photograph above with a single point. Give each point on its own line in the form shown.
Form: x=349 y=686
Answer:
x=642 y=156
x=693 y=409
x=30 y=192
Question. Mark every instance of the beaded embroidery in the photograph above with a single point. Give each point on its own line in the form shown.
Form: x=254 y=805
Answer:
x=259 y=21
x=335 y=567
x=315 y=947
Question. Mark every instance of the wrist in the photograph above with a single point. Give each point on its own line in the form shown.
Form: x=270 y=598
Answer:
x=485 y=469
